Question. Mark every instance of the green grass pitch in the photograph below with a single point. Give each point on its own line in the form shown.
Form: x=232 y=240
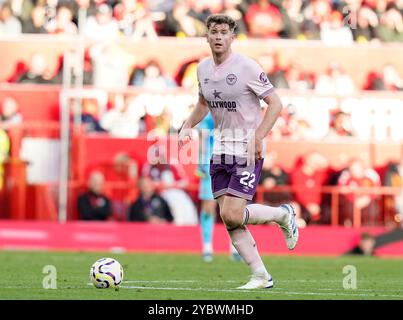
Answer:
x=185 y=276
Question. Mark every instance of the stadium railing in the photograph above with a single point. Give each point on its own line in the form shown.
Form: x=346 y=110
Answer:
x=24 y=201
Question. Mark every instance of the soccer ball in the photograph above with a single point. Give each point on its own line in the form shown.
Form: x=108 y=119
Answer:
x=106 y=273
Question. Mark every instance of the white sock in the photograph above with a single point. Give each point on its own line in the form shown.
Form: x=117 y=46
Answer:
x=207 y=248
x=259 y=214
x=232 y=249
x=246 y=247
x=261 y=272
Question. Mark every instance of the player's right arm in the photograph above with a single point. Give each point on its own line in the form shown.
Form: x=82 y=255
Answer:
x=199 y=112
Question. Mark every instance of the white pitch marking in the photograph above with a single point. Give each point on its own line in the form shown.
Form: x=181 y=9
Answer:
x=336 y=290
x=236 y=281
x=269 y=291
x=160 y=281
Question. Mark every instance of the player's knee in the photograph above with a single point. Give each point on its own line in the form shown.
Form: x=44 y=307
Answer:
x=230 y=219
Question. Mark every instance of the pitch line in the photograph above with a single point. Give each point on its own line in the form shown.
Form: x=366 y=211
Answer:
x=268 y=291
x=160 y=281
x=240 y=280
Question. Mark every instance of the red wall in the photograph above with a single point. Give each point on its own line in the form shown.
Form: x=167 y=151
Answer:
x=36 y=102
x=138 y=237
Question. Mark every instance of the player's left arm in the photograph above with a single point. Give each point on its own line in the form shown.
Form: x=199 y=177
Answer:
x=272 y=113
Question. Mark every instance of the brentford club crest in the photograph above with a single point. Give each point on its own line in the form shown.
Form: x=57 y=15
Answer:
x=231 y=79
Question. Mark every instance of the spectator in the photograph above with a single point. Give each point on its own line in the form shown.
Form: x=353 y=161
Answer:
x=274 y=175
x=334 y=32
x=291 y=126
x=335 y=81
x=135 y=20
x=172 y=178
x=37 y=71
x=153 y=78
x=149 y=206
x=122 y=173
x=93 y=204
x=394 y=178
x=125 y=169
x=102 y=26
x=111 y=65
x=286 y=125
x=37 y=22
x=392 y=80
x=189 y=76
x=199 y=9
x=359 y=175
x=213 y=6
x=264 y=20
x=86 y=114
x=390 y=28
x=163 y=123
x=51 y=9
x=121 y=120
x=308 y=177
x=160 y=170
x=181 y=23
x=159 y=12
x=186 y=76
x=10 y=115
x=389 y=79
x=9 y=24
x=340 y=125
x=367 y=22
x=366 y=245
x=293 y=19
x=315 y=13
x=379 y=6
x=297 y=79
x=63 y=22
x=22 y=9
x=374 y=81
x=232 y=9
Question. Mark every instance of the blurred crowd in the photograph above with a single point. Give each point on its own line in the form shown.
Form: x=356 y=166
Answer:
x=129 y=115
x=109 y=66
x=312 y=171
x=162 y=194
x=332 y=21
x=159 y=187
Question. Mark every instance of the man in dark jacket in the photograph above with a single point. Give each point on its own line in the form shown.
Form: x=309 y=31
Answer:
x=149 y=206
x=93 y=204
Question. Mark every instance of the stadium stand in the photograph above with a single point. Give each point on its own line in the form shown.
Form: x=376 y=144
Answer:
x=342 y=98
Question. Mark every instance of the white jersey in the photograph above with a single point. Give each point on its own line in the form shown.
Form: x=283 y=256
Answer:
x=232 y=91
